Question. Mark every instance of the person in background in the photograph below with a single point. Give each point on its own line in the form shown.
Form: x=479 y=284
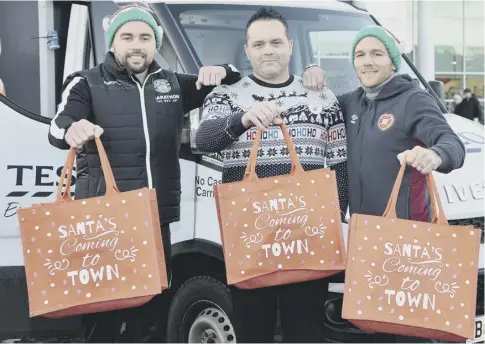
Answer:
x=230 y=118
x=387 y=119
x=457 y=107
x=470 y=106
x=138 y=109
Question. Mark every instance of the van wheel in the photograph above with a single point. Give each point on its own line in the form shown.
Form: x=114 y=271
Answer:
x=201 y=312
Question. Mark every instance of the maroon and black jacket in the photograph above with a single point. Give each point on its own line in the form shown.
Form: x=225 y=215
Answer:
x=373 y=145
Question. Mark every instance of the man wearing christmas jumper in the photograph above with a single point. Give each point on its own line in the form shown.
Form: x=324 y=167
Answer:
x=231 y=116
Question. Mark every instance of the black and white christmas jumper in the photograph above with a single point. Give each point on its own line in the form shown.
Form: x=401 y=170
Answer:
x=313 y=119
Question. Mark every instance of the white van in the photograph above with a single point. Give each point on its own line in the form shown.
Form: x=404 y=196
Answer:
x=48 y=40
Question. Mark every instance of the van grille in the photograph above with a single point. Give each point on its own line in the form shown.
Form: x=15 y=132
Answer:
x=476 y=222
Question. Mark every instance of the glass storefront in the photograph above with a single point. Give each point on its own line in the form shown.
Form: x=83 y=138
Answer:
x=458 y=35
x=457 y=32
x=453 y=84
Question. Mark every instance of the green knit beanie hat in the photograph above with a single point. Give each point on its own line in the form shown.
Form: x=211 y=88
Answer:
x=131 y=13
x=390 y=42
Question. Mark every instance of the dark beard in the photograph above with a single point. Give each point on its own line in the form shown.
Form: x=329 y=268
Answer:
x=134 y=69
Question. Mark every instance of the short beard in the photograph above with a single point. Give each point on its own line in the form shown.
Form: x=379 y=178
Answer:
x=136 y=70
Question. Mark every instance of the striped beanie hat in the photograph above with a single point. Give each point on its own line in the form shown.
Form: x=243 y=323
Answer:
x=131 y=13
x=392 y=44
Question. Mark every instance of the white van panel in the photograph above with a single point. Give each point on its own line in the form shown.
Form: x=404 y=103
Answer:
x=28 y=167
x=206 y=221
x=184 y=229
x=462 y=190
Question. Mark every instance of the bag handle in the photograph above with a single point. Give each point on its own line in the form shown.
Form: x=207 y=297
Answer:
x=66 y=170
x=436 y=205
x=439 y=218
x=296 y=167
x=111 y=187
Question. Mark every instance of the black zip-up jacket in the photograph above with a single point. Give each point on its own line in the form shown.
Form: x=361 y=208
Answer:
x=470 y=109
x=142 y=128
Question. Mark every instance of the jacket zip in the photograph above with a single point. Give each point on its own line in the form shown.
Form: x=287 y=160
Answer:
x=361 y=125
x=141 y=89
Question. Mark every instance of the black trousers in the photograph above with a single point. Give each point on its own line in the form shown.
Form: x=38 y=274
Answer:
x=301 y=307
x=105 y=327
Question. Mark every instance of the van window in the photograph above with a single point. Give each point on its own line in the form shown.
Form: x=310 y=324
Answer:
x=19 y=53
x=217 y=35
x=331 y=51
x=33 y=56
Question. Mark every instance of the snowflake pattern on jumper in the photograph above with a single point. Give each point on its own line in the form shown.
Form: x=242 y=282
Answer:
x=313 y=119
x=315 y=124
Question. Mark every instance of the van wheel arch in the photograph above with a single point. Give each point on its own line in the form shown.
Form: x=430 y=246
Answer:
x=200 y=310
x=196 y=258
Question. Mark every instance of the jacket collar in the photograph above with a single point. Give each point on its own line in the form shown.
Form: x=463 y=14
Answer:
x=120 y=72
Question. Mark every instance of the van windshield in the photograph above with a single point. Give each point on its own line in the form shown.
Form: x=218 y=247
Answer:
x=217 y=35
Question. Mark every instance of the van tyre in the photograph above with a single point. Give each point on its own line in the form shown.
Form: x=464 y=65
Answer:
x=201 y=312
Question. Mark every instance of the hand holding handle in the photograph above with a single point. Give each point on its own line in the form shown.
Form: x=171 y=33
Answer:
x=296 y=167
x=111 y=187
x=436 y=206
x=66 y=172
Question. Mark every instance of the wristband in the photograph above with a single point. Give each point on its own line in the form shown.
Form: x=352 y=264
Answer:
x=312 y=65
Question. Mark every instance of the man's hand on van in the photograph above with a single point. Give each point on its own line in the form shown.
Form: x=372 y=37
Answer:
x=81 y=132
x=314 y=78
x=262 y=115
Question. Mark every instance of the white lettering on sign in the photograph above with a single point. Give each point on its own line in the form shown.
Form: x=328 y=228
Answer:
x=167 y=98
x=85 y=227
x=282 y=215
x=279 y=204
x=287 y=224
x=412 y=277
x=401 y=298
x=287 y=248
x=477 y=190
x=87 y=275
x=92 y=248
x=461 y=192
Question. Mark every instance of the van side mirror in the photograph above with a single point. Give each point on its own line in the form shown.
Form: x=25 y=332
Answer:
x=438 y=88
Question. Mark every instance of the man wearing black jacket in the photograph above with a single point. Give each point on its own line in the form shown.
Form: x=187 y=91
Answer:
x=470 y=106
x=139 y=109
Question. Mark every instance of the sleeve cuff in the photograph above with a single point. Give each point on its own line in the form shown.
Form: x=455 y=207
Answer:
x=311 y=65
x=235 y=128
x=232 y=74
x=445 y=158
